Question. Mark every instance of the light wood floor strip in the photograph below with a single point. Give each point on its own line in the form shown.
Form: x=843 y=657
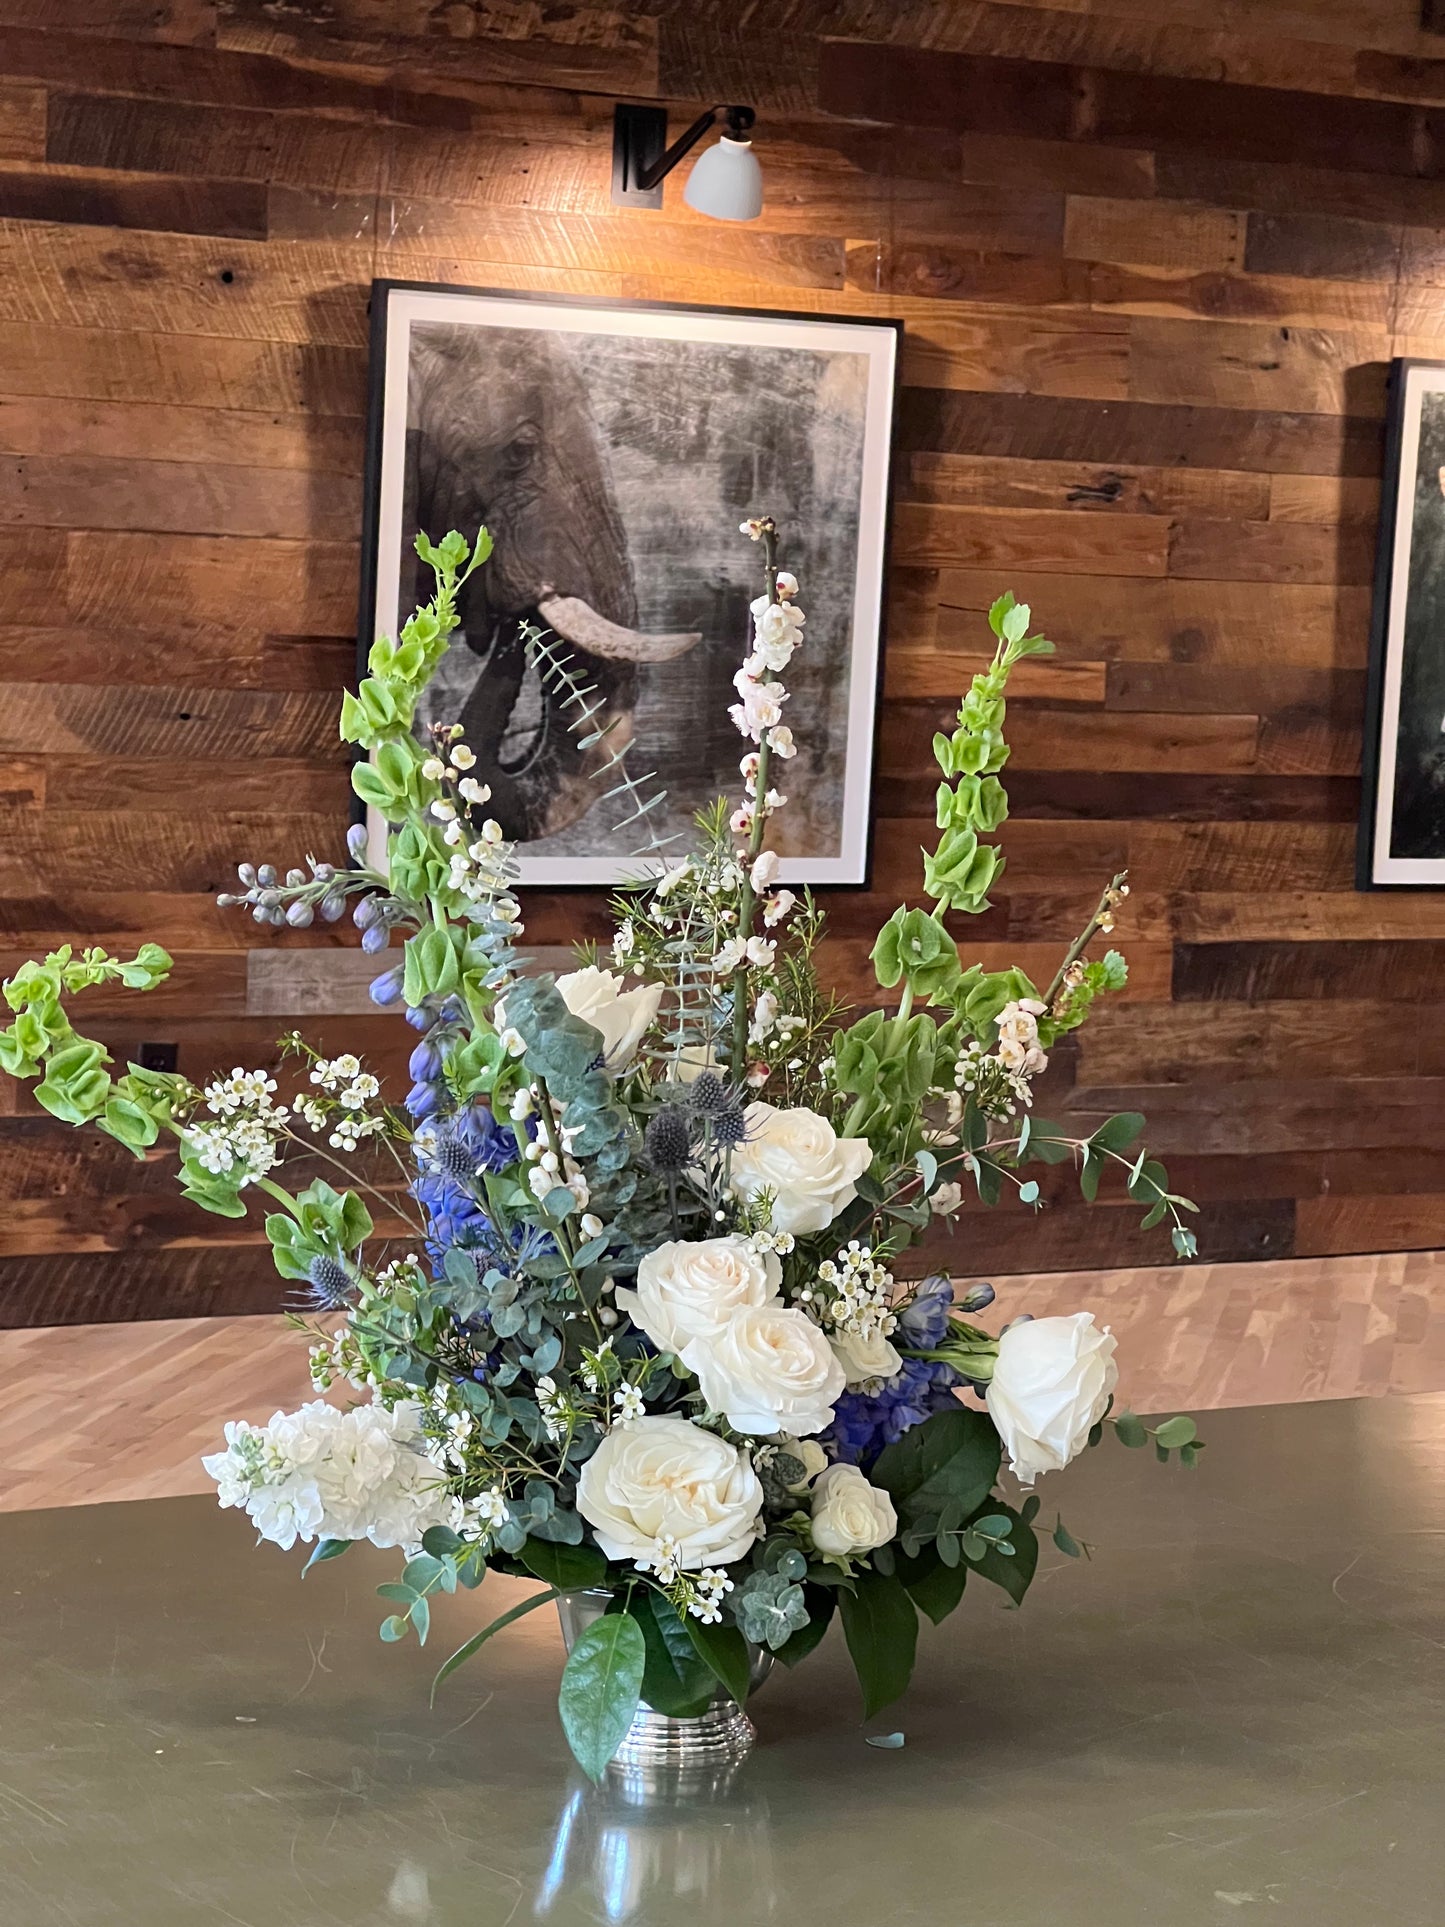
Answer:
x=104 y=1412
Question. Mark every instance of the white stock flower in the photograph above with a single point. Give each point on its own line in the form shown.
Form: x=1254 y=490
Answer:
x=661 y=1478
x=850 y=1516
x=622 y=1016
x=865 y=1356
x=690 y=1290
x=768 y=1370
x=1050 y=1386
x=811 y=1171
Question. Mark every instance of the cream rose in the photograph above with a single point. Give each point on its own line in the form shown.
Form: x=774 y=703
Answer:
x=798 y=1156
x=663 y=1478
x=863 y=1359
x=598 y=998
x=687 y=1291
x=849 y=1515
x=769 y=1369
x=1050 y=1386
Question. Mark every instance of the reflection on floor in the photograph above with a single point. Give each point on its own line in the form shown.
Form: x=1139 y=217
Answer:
x=101 y=1412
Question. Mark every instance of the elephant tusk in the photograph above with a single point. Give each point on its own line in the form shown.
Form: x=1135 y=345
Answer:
x=577 y=621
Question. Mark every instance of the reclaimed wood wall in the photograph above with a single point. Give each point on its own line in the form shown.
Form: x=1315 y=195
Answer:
x=1153 y=257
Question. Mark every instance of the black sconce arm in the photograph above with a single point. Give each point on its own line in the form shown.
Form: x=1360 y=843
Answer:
x=739 y=121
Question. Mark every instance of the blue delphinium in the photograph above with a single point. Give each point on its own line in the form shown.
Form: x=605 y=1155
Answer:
x=453 y=1153
x=864 y=1422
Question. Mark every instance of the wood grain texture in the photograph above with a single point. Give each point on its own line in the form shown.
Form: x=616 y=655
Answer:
x=1152 y=258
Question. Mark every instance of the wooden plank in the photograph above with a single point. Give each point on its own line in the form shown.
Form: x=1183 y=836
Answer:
x=200 y=498
x=1400 y=972
x=994 y=481
x=166 y=722
x=929 y=534
x=133 y=431
x=91 y=197
x=1067 y=167
x=1267 y=689
x=1250 y=858
x=216 y=653
x=203 y=987
x=56 y=1289
x=1147 y=433
x=1212 y=174
x=936 y=271
x=1353 y=499
x=140 y=580
x=1283 y=370
x=318 y=784
x=186 y=23
x=1272 y=552
x=1388 y=1223
x=1222 y=1043
x=1271 y=1116
x=1133 y=618
x=22 y=782
x=1114 y=795
x=1055 y=739
x=156 y=849
x=947 y=673
x=1288 y=301
x=22 y=123
x=1326 y=246
x=1028 y=354
x=1160 y=234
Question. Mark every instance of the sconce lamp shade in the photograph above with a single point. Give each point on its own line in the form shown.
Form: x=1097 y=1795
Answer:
x=727 y=182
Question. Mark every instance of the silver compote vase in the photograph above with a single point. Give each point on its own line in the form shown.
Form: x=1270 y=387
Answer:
x=661 y=1754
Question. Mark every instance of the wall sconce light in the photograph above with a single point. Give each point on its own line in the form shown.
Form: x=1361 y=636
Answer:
x=726 y=183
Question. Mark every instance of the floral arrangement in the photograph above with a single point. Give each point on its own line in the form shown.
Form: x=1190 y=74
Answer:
x=646 y=1327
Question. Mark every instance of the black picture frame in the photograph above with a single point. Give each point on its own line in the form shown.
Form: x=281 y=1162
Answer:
x=877 y=459
x=1400 y=778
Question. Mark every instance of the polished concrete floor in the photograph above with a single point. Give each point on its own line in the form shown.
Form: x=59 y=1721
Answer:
x=1233 y=1712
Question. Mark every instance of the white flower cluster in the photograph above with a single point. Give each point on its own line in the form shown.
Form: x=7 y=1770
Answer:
x=244 y=1142
x=777 y=632
x=999 y=1082
x=351 y=1089
x=856 y=1294
x=323 y=1473
x=479 y=866
x=705 y=1594
x=553 y=1404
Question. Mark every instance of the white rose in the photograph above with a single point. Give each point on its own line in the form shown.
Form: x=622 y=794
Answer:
x=1050 y=1386
x=812 y=1172
x=768 y=1370
x=865 y=1358
x=666 y=1478
x=686 y=1291
x=849 y=1515
x=598 y=998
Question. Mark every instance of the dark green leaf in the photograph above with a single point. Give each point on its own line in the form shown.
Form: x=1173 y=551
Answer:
x=935 y=1588
x=1130 y=1430
x=1066 y=1542
x=675 y=1680
x=953 y=1455
x=880 y=1624
x=601 y=1685
x=568 y=1568
x=726 y=1651
x=1047 y=1143
x=1119 y=1132
x=1014 y=1574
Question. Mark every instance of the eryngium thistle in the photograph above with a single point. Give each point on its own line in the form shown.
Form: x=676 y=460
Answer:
x=729 y=1126
x=453 y=1157
x=457 y=1353
x=707 y=1094
x=330 y=1283
x=666 y=1141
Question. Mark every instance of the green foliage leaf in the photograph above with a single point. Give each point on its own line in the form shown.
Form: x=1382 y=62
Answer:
x=568 y=1568
x=465 y=1651
x=1066 y=1542
x=1013 y=1572
x=1130 y=1430
x=934 y=1587
x=880 y=1625
x=953 y=1456
x=1176 y=1431
x=326 y=1549
x=725 y=1651
x=675 y=1679
x=601 y=1685
x=822 y=1603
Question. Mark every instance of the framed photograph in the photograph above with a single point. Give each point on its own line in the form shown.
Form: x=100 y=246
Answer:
x=612 y=448
x=1402 y=816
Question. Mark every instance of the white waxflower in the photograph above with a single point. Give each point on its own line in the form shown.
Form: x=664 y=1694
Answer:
x=662 y=1478
x=626 y=1404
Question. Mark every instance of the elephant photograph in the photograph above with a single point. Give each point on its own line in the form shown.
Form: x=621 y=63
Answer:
x=611 y=451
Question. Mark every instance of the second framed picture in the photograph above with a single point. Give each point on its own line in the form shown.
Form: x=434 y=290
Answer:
x=612 y=450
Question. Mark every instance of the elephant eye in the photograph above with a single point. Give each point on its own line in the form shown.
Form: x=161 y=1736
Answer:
x=520 y=449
